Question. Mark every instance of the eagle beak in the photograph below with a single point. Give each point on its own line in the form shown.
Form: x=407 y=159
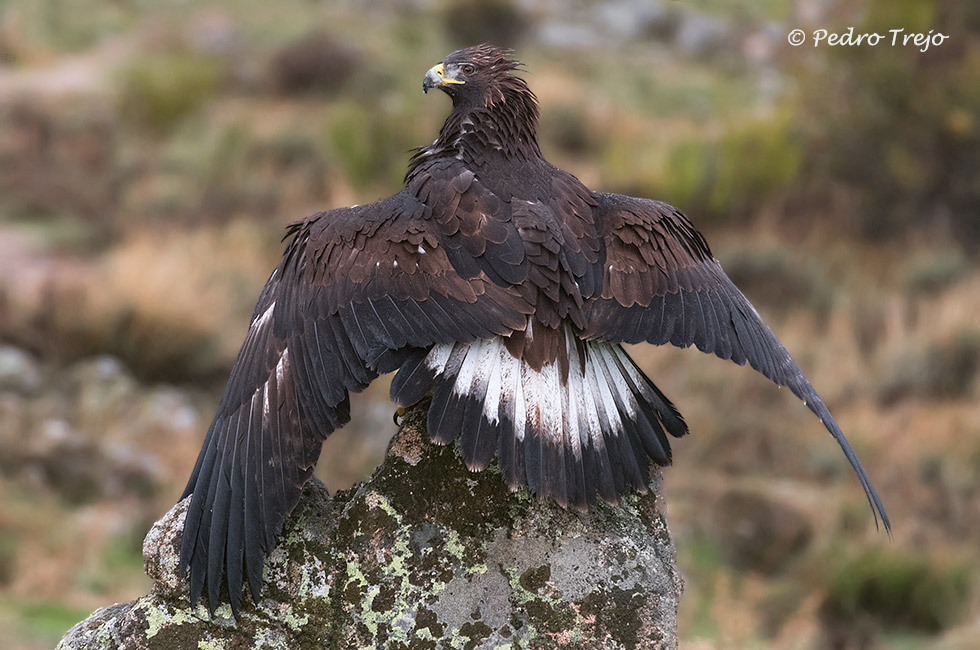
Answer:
x=436 y=77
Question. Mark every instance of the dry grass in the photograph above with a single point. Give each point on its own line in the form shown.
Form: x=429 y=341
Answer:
x=161 y=301
x=922 y=449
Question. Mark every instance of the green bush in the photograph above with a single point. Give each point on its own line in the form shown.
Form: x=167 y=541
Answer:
x=158 y=92
x=732 y=176
x=9 y=545
x=371 y=144
x=897 y=590
x=897 y=128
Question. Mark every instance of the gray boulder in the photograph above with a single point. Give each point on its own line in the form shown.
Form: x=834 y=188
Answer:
x=425 y=554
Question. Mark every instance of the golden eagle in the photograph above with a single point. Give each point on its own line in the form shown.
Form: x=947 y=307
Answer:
x=499 y=286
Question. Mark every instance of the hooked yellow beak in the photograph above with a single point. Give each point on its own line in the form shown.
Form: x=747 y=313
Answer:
x=436 y=76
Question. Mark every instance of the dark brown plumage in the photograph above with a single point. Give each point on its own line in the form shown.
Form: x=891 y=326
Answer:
x=498 y=285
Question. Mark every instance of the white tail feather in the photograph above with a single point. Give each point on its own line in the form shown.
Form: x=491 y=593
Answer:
x=576 y=414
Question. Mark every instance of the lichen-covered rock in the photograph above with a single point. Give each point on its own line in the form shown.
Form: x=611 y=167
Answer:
x=424 y=555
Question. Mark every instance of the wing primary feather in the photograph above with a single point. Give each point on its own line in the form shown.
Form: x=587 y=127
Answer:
x=679 y=335
x=695 y=328
x=389 y=340
x=219 y=496
x=820 y=410
x=746 y=342
x=719 y=317
x=413 y=379
x=434 y=330
x=250 y=554
x=708 y=323
x=280 y=458
x=234 y=551
x=409 y=332
x=194 y=547
x=269 y=499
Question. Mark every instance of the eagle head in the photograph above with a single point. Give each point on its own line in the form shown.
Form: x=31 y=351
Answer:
x=476 y=74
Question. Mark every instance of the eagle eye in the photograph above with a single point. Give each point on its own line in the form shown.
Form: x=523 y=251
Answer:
x=467 y=68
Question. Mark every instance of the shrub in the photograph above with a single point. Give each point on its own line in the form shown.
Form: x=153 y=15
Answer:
x=500 y=22
x=896 y=128
x=568 y=128
x=372 y=146
x=941 y=370
x=759 y=533
x=316 y=63
x=930 y=274
x=895 y=589
x=732 y=176
x=128 y=306
x=59 y=164
x=158 y=92
x=9 y=544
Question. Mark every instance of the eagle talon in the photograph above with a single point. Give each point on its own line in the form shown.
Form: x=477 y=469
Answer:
x=399 y=415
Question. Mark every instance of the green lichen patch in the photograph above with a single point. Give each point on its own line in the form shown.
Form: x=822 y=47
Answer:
x=441 y=472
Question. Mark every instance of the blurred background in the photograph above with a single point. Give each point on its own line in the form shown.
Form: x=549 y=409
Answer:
x=152 y=152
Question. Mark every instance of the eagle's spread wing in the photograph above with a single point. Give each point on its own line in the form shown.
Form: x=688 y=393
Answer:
x=357 y=289
x=662 y=285
x=498 y=285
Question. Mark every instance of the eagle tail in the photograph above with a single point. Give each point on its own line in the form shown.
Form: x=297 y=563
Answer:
x=586 y=422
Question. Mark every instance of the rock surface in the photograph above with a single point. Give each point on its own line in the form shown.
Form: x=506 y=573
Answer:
x=424 y=555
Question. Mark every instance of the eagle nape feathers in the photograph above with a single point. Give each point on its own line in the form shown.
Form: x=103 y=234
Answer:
x=499 y=287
